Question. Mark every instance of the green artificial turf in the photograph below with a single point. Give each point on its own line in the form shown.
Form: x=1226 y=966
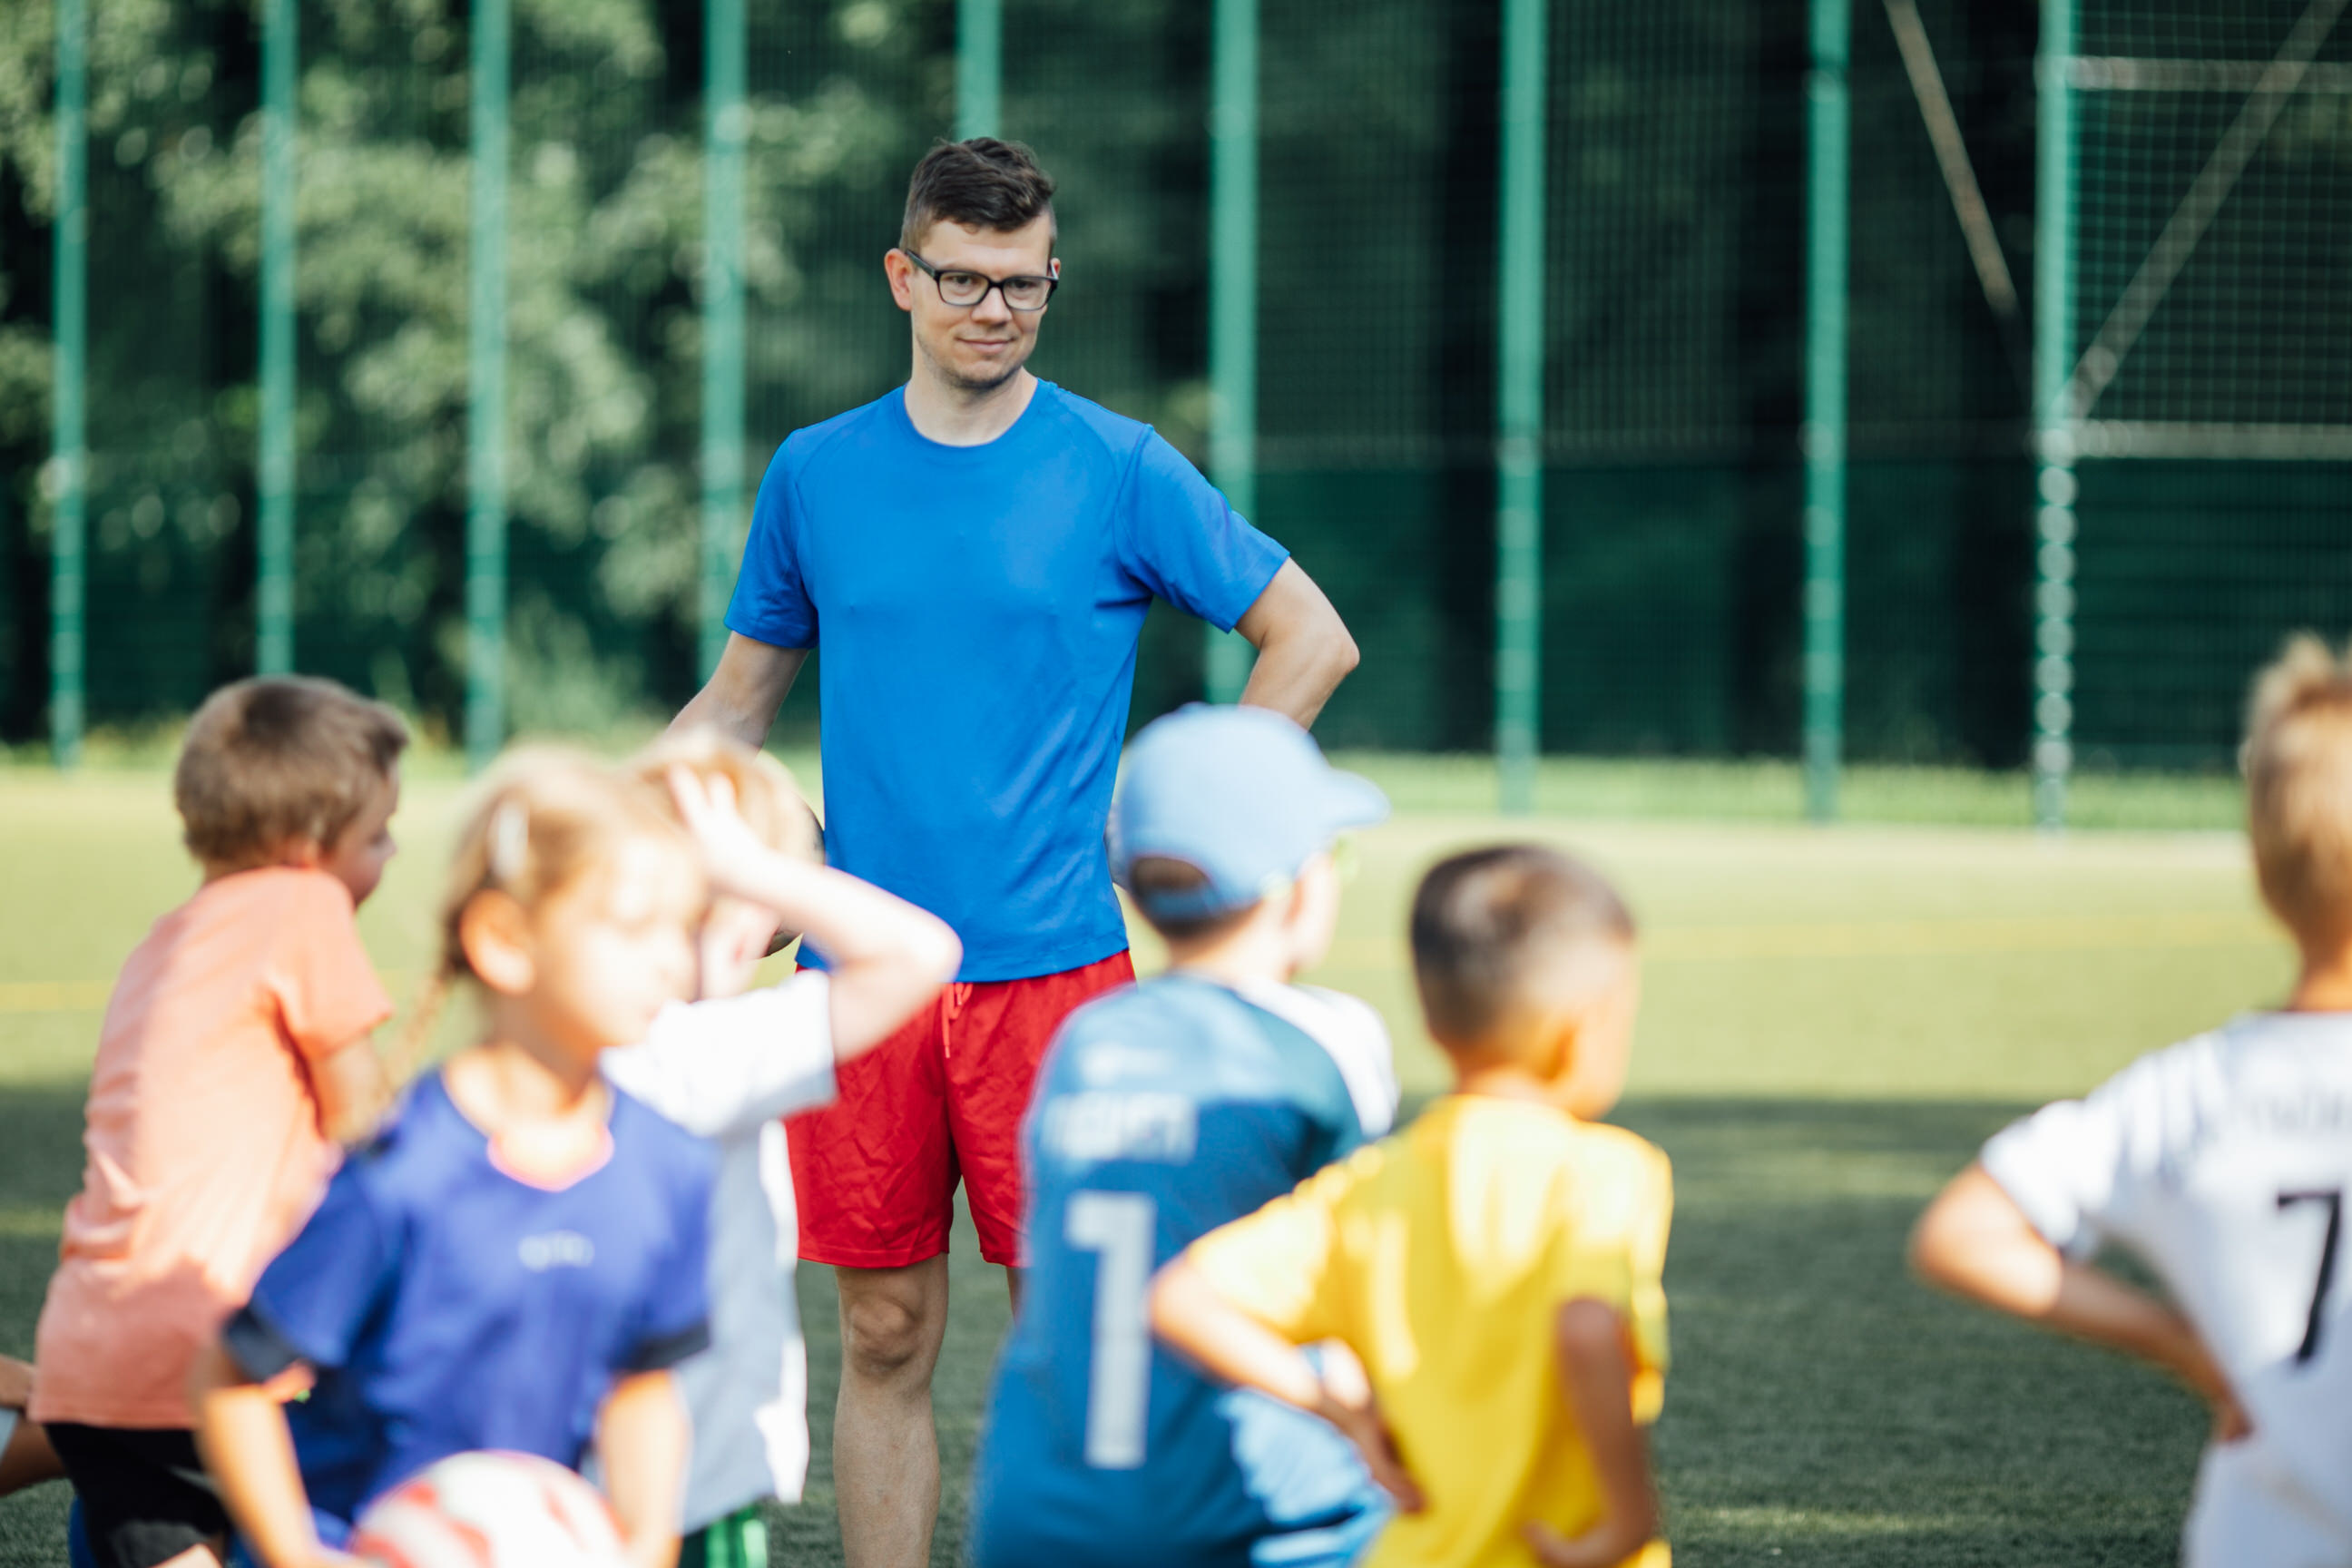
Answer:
x=1832 y=1021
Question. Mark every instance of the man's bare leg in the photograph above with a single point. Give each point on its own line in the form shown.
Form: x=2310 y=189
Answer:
x=886 y=1451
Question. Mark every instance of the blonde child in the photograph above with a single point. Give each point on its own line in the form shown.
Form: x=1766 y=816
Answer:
x=2223 y=1164
x=235 y=1052
x=726 y=1066
x=1496 y=1267
x=516 y=1260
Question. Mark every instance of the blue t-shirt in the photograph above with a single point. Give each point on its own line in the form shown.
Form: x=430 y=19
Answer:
x=978 y=609
x=446 y=1306
x=1161 y=1112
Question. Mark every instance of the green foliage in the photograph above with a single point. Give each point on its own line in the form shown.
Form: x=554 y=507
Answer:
x=603 y=257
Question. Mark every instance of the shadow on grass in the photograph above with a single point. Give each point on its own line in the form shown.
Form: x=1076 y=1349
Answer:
x=1822 y=1408
x=40 y=1166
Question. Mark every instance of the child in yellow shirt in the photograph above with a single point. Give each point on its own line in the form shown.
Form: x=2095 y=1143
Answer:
x=1496 y=1267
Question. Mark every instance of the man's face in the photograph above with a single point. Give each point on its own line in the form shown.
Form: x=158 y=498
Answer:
x=973 y=348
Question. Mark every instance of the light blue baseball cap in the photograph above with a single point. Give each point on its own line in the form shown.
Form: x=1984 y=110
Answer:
x=1241 y=795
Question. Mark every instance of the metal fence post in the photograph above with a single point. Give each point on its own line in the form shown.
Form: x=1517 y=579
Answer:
x=729 y=128
x=1828 y=169
x=2054 y=433
x=980 y=68
x=1232 y=300
x=486 y=362
x=70 y=443
x=274 y=534
x=1519 y=447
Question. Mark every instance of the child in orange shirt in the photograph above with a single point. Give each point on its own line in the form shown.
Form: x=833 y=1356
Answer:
x=234 y=1057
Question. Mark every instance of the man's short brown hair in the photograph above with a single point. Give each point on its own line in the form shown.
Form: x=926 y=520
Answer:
x=280 y=760
x=1492 y=927
x=981 y=184
x=2298 y=765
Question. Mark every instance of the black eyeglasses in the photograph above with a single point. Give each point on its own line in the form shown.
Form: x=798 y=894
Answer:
x=965 y=289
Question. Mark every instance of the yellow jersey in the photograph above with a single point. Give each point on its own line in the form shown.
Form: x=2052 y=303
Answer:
x=1442 y=1256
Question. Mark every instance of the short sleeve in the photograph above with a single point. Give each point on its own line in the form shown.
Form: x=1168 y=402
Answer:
x=674 y=1322
x=1612 y=1247
x=772 y=602
x=326 y=992
x=1182 y=541
x=1282 y=1264
x=313 y=1302
x=2070 y=1167
x=719 y=1068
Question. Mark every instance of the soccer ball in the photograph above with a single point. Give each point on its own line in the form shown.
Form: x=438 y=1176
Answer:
x=490 y=1510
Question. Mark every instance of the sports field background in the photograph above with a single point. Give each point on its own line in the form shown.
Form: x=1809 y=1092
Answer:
x=1832 y=1020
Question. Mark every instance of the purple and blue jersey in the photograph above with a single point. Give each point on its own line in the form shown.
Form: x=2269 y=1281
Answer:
x=445 y=1305
x=977 y=611
x=1161 y=1112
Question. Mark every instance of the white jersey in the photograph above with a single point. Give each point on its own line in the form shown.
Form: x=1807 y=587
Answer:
x=727 y=1069
x=2223 y=1163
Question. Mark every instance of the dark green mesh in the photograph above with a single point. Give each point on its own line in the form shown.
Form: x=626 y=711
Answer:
x=1675 y=332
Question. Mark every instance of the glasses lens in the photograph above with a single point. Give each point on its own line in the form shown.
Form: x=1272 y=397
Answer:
x=961 y=288
x=1027 y=293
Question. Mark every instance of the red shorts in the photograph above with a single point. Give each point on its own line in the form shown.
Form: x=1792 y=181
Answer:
x=875 y=1172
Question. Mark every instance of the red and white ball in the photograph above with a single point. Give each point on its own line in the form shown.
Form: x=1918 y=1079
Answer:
x=490 y=1510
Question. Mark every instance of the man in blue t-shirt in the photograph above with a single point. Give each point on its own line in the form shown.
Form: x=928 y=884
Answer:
x=1162 y=1112
x=974 y=552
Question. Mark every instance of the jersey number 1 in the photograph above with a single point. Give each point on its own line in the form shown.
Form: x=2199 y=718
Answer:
x=1118 y=1228
x=2333 y=1198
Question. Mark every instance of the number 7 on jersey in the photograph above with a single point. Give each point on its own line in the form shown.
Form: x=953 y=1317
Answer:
x=1118 y=1228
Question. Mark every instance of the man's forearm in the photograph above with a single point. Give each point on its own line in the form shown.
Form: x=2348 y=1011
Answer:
x=742 y=695
x=1294 y=675
x=1304 y=650
x=735 y=721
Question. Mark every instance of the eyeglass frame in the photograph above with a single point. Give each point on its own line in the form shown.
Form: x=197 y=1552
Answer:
x=1051 y=281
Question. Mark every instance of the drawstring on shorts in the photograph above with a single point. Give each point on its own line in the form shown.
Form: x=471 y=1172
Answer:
x=951 y=1005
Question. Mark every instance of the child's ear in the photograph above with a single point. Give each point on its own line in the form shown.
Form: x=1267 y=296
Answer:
x=495 y=937
x=302 y=851
x=1561 y=1033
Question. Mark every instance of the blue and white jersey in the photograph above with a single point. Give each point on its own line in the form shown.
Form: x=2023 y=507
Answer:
x=1163 y=1111
x=447 y=1304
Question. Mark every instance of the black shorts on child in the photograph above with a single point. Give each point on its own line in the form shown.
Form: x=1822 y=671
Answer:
x=145 y=1498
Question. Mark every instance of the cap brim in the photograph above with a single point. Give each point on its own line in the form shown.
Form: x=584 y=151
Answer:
x=1354 y=801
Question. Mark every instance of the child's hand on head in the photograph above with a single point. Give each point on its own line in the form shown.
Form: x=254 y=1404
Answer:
x=707 y=808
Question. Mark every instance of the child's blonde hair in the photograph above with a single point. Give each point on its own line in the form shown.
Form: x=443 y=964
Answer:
x=542 y=820
x=770 y=804
x=2298 y=767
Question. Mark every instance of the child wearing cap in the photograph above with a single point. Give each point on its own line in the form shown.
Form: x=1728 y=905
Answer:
x=1162 y=1111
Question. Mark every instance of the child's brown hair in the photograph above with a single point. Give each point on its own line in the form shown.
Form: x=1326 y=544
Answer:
x=2298 y=767
x=541 y=821
x=280 y=759
x=1494 y=928
x=770 y=803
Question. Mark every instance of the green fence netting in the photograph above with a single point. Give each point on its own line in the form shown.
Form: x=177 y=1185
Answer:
x=2210 y=323
x=1675 y=334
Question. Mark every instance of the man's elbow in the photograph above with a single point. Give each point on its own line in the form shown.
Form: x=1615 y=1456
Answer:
x=1341 y=656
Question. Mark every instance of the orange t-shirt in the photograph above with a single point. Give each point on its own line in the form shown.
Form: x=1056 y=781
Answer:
x=205 y=1149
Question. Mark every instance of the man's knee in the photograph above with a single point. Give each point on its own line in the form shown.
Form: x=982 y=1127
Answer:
x=892 y=1321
